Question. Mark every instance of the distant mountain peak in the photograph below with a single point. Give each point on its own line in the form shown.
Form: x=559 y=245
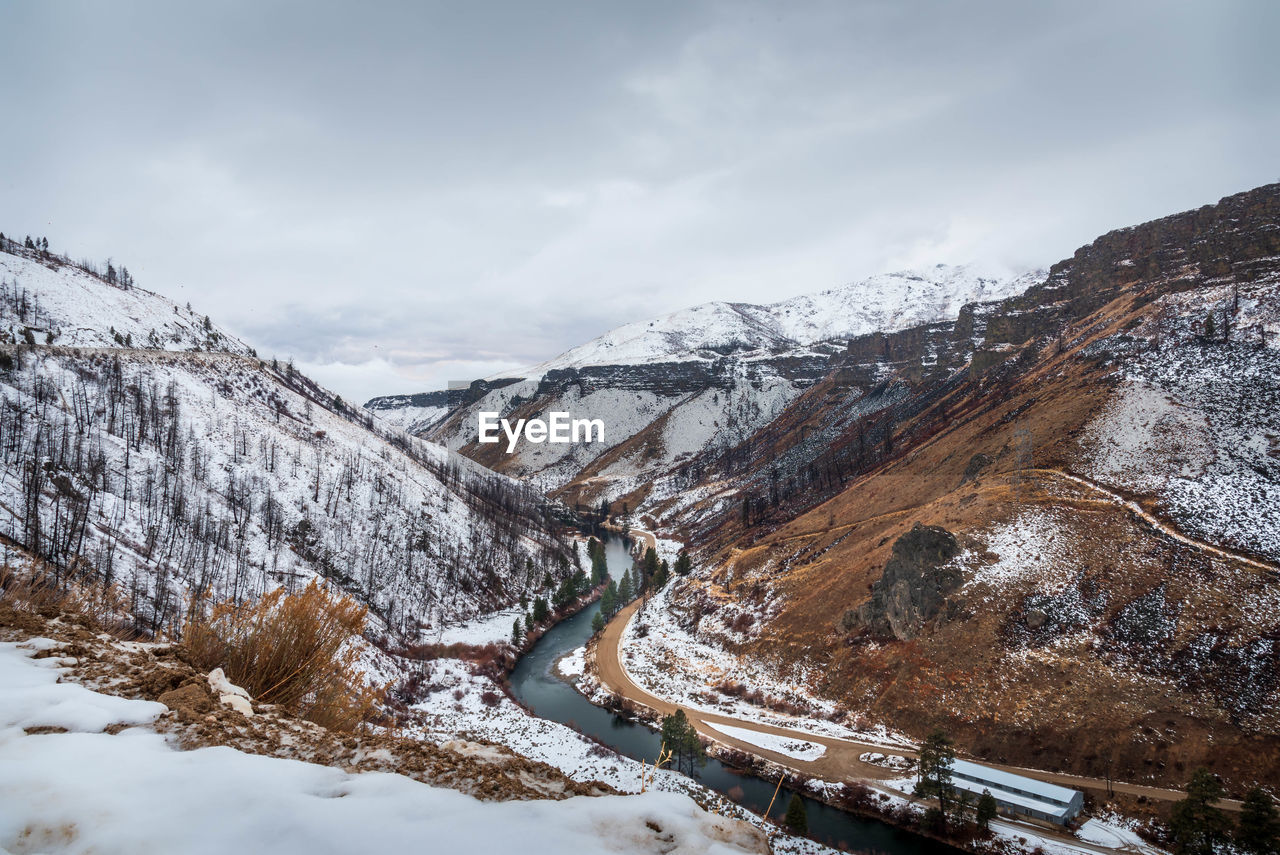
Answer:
x=886 y=302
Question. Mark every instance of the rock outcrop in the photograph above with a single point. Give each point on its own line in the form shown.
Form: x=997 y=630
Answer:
x=915 y=586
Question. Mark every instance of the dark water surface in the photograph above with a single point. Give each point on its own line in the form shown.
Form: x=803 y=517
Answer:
x=535 y=684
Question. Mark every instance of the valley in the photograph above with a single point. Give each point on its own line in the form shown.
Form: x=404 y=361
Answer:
x=1036 y=512
x=1103 y=468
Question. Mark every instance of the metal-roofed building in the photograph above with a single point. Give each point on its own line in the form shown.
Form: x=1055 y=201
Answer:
x=1018 y=793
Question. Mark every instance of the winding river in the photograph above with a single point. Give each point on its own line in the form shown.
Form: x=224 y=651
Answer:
x=534 y=682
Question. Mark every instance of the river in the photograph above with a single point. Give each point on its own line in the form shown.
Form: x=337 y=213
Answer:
x=534 y=682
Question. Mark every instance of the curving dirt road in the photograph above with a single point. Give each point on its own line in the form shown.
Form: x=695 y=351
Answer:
x=840 y=761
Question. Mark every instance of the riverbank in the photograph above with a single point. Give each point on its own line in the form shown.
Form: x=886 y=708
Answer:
x=835 y=772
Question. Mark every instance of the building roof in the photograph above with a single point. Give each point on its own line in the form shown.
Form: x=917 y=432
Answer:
x=1008 y=781
x=1015 y=800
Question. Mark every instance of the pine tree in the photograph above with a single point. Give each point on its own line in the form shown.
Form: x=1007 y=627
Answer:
x=609 y=600
x=540 y=610
x=626 y=591
x=660 y=577
x=517 y=632
x=565 y=594
x=681 y=739
x=987 y=810
x=1210 y=330
x=597 y=622
x=684 y=565
x=934 y=770
x=1197 y=826
x=650 y=562
x=1259 y=831
x=797 y=818
x=599 y=563
x=528 y=623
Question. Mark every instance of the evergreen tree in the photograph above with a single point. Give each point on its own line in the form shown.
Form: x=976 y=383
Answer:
x=1259 y=831
x=683 y=564
x=934 y=770
x=681 y=739
x=565 y=594
x=1197 y=826
x=660 y=577
x=626 y=591
x=1210 y=330
x=599 y=563
x=597 y=622
x=547 y=582
x=528 y=623
x=797 y=818
x=609 y=600
x=517 y=632
x=987 y=810
x=963 y=807
x=540 y=610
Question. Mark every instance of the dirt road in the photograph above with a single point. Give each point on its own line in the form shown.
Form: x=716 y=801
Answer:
x=840 y=761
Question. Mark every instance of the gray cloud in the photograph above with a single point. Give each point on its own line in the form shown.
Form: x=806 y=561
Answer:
x=402 y=194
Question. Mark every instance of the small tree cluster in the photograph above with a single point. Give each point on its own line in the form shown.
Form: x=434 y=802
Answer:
x=682 y=740
x=1199 y=827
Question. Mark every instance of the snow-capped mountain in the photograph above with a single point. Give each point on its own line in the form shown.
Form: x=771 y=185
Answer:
x=694 y=382
x=885 y=303
x=183 y=464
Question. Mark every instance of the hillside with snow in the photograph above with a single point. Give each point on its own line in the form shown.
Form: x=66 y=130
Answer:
x=61 y=303
x=180 y=470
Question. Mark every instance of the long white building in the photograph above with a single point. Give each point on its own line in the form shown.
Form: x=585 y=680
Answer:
x=1018 y=793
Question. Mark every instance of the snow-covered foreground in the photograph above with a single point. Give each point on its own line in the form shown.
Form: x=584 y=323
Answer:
x=90 y=789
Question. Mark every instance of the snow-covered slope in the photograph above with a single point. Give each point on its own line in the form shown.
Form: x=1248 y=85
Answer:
x=65 y=305
x=128 y=789
x=884 y=303
x=169 y=473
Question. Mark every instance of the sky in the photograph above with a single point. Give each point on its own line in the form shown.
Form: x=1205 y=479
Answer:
x=397 y=195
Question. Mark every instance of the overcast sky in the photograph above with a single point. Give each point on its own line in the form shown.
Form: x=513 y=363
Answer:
x=398 y=195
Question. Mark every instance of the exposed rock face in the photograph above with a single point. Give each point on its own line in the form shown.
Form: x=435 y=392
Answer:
x=677 y=379
x=447 y=398
x=915 y=585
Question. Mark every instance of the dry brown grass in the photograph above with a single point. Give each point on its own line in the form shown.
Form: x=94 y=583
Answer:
x=289 y=649
x=30 y=586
